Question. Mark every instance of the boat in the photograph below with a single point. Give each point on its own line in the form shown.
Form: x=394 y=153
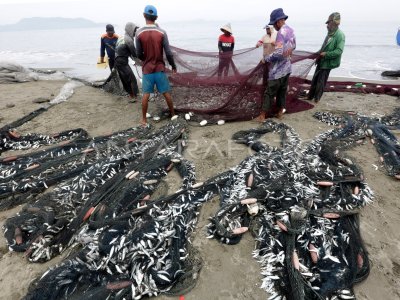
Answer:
x=398 y=37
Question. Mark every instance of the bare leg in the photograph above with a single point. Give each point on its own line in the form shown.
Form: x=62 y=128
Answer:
x=145 y=104
x=170 y=104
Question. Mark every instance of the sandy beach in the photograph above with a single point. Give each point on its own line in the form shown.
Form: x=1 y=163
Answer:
x=229 y=272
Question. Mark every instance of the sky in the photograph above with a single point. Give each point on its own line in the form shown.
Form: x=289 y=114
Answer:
x=121 y=11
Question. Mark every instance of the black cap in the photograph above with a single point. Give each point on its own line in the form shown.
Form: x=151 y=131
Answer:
x=109 y=28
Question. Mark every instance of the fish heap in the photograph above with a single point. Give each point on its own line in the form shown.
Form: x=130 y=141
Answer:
x=378 y=130
x=300 y=202
x=131 y=239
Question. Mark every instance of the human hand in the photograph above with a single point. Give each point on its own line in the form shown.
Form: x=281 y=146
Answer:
x=322 y=54
x=288 y=53
x=173 y=71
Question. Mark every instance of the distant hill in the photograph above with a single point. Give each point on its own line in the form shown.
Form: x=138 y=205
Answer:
x=38 y=23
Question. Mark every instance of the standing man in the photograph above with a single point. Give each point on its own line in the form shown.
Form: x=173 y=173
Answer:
x=226 y=44
x=124 y=50
x=151 y=42
x=268 y=43
x=107 y=43
x=280 y=65
x=329 y=58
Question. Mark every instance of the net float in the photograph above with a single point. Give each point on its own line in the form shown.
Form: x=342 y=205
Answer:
x=148 y=115
x=240 y=230
x=174 y=117
x=134 y=175
x=88 y=150
x=31 y=167
x=18 y=236
x=248 y=201
x=187 y=117
x=295 y=260
x=250 y=180
x=221 y=122
x=281 y=226
x=15 y=134
x=360 y=261
x=10 y=158
x=203 y=123
x=197 y=185
x=313 y=253
x=88 y=213
x=151 y=181
x=156 y=118
x=325 y=183
x=130 y=174
x=331 y=215
x=356 y=190
x=252 y=209
x=175 y=160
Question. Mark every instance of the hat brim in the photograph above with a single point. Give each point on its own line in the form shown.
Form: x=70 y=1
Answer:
x=272 y=22
x=225 y=29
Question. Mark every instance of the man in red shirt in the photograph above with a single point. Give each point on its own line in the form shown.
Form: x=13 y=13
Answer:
x=226 y=44
x=151 y=43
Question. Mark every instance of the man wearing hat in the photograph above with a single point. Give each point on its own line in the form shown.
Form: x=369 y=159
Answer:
x=329 y=58
x=226 y=44
x=107 y=43
x=151 y=44
x=268 y=43
x=280 y=65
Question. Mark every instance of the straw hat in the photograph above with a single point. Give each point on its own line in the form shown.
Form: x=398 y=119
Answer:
x=227 y=27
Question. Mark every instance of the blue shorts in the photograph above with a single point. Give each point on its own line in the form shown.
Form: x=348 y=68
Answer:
x=159 y=79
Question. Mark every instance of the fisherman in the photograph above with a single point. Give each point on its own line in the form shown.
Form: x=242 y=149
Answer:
x=125 y=48
x=268 y=43
x=280 y=65
x=329 y=58
x=151 y=43
x=107 y=43
x=226 y=44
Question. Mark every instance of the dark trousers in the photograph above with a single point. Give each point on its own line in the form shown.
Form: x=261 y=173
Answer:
x=276 y=88
x=111 y=62
x=318 y=83
x=127 y=77
x=223 y=66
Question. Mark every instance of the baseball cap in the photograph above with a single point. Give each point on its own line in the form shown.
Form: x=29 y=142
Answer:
x=109 y=28
x=150 y=10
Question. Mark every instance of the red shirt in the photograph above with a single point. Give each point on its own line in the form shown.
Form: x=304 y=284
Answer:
x=151 y=42
x=226 y=43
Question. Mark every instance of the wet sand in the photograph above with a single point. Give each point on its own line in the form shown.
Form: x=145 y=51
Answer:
x=229 y=272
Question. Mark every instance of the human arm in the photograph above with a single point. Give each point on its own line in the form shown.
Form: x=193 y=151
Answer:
x=139 y=49
x=168 y=53
x=220 y=46
x=102 y=50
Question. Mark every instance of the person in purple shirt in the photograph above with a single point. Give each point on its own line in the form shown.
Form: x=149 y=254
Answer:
x=280 y=65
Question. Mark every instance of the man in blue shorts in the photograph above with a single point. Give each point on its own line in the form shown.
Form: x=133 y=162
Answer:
x=151 y=42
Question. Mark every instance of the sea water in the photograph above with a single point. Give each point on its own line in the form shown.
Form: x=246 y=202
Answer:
x=370 y=48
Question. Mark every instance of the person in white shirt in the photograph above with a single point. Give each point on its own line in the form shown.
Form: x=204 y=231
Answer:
x=267 y=41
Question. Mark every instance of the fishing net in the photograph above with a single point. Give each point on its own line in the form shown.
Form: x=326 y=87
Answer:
x=237 y=95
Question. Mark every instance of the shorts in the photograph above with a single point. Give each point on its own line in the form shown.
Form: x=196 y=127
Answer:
x=159 y=79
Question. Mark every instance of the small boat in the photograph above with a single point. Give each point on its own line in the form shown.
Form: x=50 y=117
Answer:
x=398 y=37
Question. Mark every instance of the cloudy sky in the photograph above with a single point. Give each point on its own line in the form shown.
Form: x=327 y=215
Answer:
x=120 y=11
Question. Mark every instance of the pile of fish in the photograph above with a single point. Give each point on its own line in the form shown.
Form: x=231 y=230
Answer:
x=131 y=238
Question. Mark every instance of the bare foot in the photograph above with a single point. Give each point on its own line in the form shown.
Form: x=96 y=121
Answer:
x=143 y=122
x=260 y=119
